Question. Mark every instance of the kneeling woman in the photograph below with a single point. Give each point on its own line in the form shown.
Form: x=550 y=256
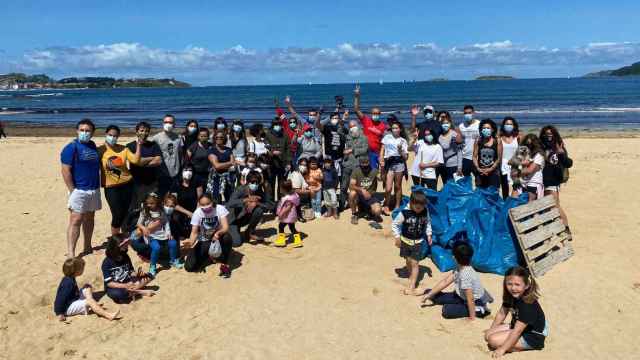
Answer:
x=209 y=239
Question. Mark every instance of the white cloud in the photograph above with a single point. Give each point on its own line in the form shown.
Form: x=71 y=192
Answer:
x=346 y=58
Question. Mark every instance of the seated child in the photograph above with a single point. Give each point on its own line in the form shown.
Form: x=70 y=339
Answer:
x=528 y=328
x=70 y=300
x=287 y=215
x=329 y=186
x=469 y=298
x=120 y=282
x=410 y=228
x=252 y=165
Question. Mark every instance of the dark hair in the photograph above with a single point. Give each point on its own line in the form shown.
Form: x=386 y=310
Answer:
x=286 y=187
x=112 y=250
x=531 y=294
x=204 y=129
x=208 y=196
x=255 y=130
x=220 y=120
x=494 y=129
x=402 y=132
x=253 y=176
x=335 y=113
x=516 y=127
x=301 y=160
x=314 y=110
x=327 y=159
x=556 y=135
x=392 y=119
x=186 y=127
x=71 y=266
x=252 y=155
x=533 y=143
x=171 y=197
x=418 y=198
x=468 y=107
x=462 y=252
x=143 y=124
x=112 y=127
x=236 y=137
x=313 y=159
x=169 y=116
x=86 y=122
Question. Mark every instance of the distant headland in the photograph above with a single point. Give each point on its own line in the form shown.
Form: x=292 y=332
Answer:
x=495 y=77
x=631 y=70
x=16 y=81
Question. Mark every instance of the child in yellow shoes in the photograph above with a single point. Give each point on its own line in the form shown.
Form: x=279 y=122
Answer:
x=288 y=215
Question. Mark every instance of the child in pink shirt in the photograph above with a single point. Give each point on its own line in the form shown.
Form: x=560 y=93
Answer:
x=288 y=215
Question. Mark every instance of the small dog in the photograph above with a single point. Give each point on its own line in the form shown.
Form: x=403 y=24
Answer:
x=519 y=161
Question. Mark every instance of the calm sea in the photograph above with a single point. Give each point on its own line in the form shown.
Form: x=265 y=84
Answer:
x=609 y=103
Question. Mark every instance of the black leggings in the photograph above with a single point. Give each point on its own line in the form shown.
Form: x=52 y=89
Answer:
x=198 y=257
x=119 y=199
x=292 y=227
x=429 y=183
x=504 y=184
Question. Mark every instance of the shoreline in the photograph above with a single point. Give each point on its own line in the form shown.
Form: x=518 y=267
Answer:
x=14 y=129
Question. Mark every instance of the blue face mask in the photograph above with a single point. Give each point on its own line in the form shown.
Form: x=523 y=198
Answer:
x=277 y=128
x=293 y=126
x=508 y=128
x=468 y=117
x=220 y=126
x=429 y=138
x=168 y=210
x=253 y=187
x=446 y=127
x=428 y=116
x=308 y=134
x=84 y=136
x=313 y=119
x=111 y=140
x=486 y=132
x=237 y=128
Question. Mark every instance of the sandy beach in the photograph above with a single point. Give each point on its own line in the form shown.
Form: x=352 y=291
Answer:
x=338 y=297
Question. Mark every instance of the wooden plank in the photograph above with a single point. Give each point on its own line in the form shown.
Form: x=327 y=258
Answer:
x=539 y=268
x=541 y=234
x=537 y=219
x=531 y=208
x=547 y=246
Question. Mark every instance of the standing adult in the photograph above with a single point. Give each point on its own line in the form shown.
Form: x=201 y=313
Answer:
x=246 y=207
x=116 y=178
x=145 y=175
x=170 y=144
x=428 y=158
x=487 y=152
x=81 y=174
x=430 y=122
x=293 y=129
x=280 y=155
x=312 y=118
x=509 y=133
x=190 y=135
x=450 y=140
x=393 y=156
x=469 y=129
x=238 y=140
x=557 y=161
x=2 y=133
x=372 y=128
x=356 y=147
x=309 y=146
x=221 y=178
x=198 y=157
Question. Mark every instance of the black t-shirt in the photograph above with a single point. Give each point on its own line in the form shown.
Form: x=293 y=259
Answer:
x=333 y=141
x=487 y=155
x=533 y=316
x=117 y=271
x=554 y=166
x=200 y=157
x=223 y=156
x=434 y=127
x=141 y=174
x=187 y=195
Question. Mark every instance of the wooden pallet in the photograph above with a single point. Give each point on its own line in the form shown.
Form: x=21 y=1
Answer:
x=543 y=238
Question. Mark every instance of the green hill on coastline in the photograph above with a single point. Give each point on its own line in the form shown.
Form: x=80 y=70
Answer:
x=16 y=81
x=495 y=77
x=631 y=70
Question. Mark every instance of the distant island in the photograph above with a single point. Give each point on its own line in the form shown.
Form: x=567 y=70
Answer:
x=15 y=81
x=495 y=77
x=631 y=70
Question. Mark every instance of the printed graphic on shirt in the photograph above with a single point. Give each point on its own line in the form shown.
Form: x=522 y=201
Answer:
x=120 y=274
x=486 y=157
x=209 y=226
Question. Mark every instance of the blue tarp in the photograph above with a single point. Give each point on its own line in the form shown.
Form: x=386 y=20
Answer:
x=480 y=217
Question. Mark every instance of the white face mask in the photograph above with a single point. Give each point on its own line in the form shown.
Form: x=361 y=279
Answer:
x=192 y=130
x=354 y=131
x=334 y=121
x=168 y=210
x=187 y=174
x=375 y=117
x=168 y=127
x=302 y=168
x=154 y=214
x=428 y=116
x=251 y=165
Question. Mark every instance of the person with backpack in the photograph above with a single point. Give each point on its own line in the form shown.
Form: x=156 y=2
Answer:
x=558 y=162
x=81 y=174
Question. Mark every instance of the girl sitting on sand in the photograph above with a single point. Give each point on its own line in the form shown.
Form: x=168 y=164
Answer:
x=120 y=282
x=70 y=300
x=288 y=214
x=528 y=328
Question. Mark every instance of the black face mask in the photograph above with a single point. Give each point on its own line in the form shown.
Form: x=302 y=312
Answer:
x=365 y=169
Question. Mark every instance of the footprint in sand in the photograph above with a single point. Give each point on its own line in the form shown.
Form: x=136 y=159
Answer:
x=636 y=286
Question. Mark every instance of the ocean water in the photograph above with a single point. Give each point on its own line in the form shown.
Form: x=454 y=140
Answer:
x=607 y=103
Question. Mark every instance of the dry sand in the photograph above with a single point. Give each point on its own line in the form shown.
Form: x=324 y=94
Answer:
x=338 y=297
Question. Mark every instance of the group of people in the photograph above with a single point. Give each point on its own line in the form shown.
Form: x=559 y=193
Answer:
x=190 y=197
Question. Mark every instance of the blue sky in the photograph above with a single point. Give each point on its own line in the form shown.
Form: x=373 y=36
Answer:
x=263 y=42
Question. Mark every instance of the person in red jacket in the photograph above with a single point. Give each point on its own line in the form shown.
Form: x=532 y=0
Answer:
x=372 y=128
x=292 y=128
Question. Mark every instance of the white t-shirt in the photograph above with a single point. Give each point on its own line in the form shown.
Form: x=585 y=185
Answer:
x=394 y=146
x=257 y=147
x=426 y=153
x=208 y=223
x=469 y=135
x=297 y=180
x=508 y=150
x=535 y=179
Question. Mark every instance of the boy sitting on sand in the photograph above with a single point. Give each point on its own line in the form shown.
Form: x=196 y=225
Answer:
x=70 y=300
x=410 y=227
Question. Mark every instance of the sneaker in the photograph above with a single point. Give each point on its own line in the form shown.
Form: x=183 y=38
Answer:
x=152 y=270
x=318 y=214
x=375 y=225
x=177 y=264
x=354 y=219
x=225 y=271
